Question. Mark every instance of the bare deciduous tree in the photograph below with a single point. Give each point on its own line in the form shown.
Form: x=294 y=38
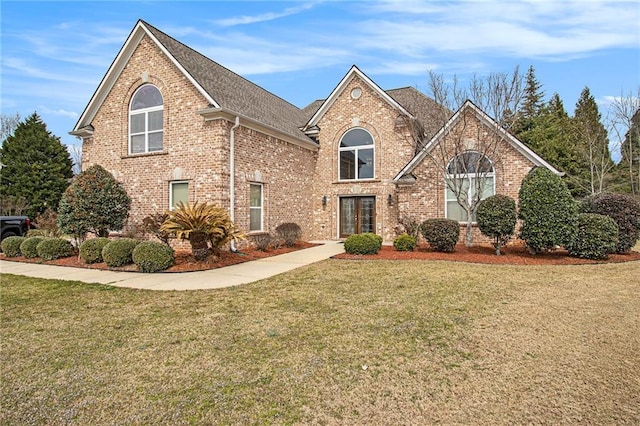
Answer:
x=76 y=156
x=8 y=124
x=624 y=124
x=467 y=152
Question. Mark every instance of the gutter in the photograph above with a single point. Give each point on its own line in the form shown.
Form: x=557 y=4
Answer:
x=232 y=176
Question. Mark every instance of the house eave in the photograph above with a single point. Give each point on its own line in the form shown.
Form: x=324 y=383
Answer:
x=216 y=113
x=84 y=132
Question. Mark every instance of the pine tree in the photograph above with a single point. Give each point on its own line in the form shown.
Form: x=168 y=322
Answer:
x=532 y=105
x=35 y=166
x=592 y=146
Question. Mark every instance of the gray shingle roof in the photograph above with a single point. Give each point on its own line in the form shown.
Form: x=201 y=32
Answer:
x=234 y=92
x=425 y=109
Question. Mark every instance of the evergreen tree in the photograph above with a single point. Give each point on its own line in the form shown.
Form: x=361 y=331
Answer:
x=35 y=166
x=629 y=166
x=592 y=146
x=532 y=105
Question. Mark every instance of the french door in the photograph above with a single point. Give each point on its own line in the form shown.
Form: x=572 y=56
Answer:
x=357 y=215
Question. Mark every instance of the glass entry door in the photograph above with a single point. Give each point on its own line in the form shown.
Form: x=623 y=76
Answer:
x=357 y=215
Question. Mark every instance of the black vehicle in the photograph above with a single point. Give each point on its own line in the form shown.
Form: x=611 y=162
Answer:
x=14 y=225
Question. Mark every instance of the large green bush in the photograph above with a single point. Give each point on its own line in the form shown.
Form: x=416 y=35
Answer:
x=404 y=242
x=596 y=237
x=29 y=247
x=91 y=250
x=367 y=243
x=119 y=252
x=624 y=210
x=54 y=248
x=496 y=217
x=548 y=212
x=152 y=256
x=289 y=232
x=441 y=234
x=11 y=246
x=94 y=202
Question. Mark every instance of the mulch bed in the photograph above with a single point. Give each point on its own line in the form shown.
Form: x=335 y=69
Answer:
x=185 y=262
x=515 y=254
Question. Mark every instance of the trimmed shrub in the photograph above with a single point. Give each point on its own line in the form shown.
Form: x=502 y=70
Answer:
x=496 y=217
x=548 y=212
x=29 y=247
x=367 y=243
x=54 y=248
x=152 y=256
x=624 y=210
x=91 y=250
x=441 y=234
x=596 y=237
x=262 y=241
x=119 y=252
x=289 y=232
x=11 y=246
x=404 y=242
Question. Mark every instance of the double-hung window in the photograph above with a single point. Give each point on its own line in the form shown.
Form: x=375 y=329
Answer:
x=146 y=120
x=255 y=207
x=356 y=155
x=470 y=178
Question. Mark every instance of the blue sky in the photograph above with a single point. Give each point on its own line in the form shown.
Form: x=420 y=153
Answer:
x=54 y=54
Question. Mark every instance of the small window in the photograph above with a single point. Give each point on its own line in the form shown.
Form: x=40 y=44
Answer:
x=178 y=193
x=255 y=207
x=472 y=175
x=146 y=120
x=356 y=155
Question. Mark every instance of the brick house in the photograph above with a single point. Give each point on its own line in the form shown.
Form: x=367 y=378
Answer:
x=173 y=125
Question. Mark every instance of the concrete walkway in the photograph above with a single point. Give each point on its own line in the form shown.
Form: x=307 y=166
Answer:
x=201 y=280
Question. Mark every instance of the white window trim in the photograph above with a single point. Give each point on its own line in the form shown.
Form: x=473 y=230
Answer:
x=356 y=149
x=146 y=132
x=174 y=182
x=472 y=178
x=261 y=208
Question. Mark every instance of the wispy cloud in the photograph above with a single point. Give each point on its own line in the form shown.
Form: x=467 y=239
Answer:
x=270 y=16
x=59 y=112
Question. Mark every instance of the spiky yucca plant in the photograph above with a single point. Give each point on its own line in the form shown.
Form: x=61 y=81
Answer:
x=201 y=223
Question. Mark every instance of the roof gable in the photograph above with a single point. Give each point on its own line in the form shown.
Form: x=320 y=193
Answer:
x=485 y=120
x=354 y=71
x=222 y=88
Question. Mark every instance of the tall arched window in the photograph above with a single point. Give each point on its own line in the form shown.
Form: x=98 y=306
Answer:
x=356 y=155
x=145 y=120
x=470 y=178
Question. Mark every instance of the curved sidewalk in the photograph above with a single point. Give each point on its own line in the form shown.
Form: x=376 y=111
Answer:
x=201 y=280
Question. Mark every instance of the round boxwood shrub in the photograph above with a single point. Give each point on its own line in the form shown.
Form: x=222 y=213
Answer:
x=119 y=252
x=11 y=246
x=152 y=256
x=548 y=212
x=367 y=243
x=624 y=210
x=404 y=242
x=29 y=247
x=441 y=234
x=91 y=250
x=496 y=217
x=54 y=248
x=596 y=237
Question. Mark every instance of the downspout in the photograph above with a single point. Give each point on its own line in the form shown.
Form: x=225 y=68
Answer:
x=232 y=177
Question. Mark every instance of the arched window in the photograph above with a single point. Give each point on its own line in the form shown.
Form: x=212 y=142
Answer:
x=356 y=155
x=145 y=120
x=470 y=178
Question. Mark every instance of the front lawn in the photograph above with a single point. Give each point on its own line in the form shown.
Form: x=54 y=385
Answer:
x=348 y=342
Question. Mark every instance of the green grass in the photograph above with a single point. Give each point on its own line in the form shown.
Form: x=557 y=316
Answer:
x=354 y=342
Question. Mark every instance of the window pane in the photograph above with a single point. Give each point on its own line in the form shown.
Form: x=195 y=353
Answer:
x=146 y=97
x=155 y=120
x=356 y=137
x=365 y=164
x=137 y=144
x=155 y=141
x=255 y=219
x=179 y=193
x=137 y=123
x=455 y=211
x=486 y=187
x=255 y=196
x=347 y=165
